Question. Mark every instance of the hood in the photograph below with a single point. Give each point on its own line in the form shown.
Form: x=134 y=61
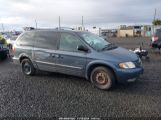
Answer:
x=120 y=55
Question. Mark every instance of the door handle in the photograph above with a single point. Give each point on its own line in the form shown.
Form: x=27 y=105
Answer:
x=52 y=55
x=60 y=57
x=56 y=56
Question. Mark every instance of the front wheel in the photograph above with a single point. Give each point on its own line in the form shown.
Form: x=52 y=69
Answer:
x=102 y=78
x=27 y=67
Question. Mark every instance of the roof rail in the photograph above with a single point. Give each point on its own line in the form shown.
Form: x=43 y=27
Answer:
x=28 y=28
x=32 y=28
x=65 y=28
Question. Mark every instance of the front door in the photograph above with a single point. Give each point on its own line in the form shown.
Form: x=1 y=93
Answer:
x=69 y=59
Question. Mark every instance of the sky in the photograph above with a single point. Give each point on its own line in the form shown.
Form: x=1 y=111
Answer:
x=15 y=14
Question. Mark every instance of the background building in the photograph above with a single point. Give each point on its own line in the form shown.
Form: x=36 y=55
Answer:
x=146 y=31
x=108 y=33
x=129 y=31
x=137 y=31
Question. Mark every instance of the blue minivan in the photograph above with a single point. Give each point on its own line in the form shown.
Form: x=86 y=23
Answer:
x=76 y=53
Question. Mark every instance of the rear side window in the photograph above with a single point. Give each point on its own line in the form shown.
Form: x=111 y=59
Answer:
x=27 y=39
x=46 y=39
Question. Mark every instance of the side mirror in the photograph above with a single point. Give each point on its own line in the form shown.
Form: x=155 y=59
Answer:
x=82 y=48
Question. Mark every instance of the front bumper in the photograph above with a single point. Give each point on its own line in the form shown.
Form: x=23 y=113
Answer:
x=126 y=75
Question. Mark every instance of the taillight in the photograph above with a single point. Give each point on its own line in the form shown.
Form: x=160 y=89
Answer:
x=154 y=39
x=13 y=49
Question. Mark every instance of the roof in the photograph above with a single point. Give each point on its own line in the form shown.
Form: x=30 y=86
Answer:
x=56 y=30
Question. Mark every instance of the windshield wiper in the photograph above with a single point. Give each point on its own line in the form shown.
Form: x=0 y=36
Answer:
x=105 y=47
x=109 y=47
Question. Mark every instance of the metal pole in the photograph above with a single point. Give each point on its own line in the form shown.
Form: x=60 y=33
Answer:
x=82 y=23
x=2 y=27
x=35 y=23
x=59 y=23
x=155 y=13
x=154 y=19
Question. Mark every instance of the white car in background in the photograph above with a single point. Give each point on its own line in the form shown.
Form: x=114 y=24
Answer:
x=11 y=40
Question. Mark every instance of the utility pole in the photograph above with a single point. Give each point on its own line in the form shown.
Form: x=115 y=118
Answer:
x=59 y=23
x=36 y=23
x=155 y=13
x=82 y=23
x=2 y=27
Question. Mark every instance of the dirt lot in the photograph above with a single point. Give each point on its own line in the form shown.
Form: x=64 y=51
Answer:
x=56 y=95
x=131 y=43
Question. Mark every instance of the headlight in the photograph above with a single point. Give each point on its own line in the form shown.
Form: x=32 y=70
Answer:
x=127 y=65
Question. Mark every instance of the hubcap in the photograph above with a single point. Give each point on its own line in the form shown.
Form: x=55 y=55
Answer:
x=27 y=68
x=101 y=78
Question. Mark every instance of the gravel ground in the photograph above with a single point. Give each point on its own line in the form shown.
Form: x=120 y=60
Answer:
x=57 y=95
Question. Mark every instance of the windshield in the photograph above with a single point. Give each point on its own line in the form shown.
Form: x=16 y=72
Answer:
x=95 y=41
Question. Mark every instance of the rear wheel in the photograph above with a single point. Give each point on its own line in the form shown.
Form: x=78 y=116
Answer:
x=27 y=67
x=102 y=78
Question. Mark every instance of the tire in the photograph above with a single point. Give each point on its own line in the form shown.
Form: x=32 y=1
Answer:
x=27 y=67
x=102 y=78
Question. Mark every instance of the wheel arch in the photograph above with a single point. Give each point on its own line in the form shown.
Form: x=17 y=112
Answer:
x=98 y=64
x=23 y=56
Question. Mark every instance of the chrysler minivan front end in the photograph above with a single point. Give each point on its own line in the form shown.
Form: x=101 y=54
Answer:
x=126 y=65
x=129 y=71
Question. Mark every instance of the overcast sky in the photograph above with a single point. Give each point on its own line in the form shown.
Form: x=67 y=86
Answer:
x=15 y=14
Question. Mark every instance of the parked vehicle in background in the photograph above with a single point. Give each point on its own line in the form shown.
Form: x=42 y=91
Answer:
x=156 y=39
x=3 y=51
x=11 y=40
x=76 y=53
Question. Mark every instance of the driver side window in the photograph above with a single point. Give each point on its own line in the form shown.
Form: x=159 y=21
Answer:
x=69 y=42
